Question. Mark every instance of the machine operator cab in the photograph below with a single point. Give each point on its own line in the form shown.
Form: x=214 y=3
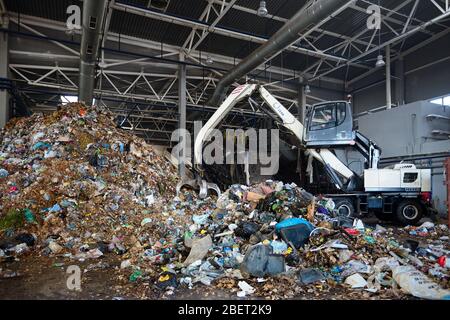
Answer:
x=330 y=124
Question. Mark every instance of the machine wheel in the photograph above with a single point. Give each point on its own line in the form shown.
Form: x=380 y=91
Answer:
x=409 y=212
x=344 y=207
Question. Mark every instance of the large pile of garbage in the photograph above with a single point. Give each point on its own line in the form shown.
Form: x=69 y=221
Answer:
x=75 y=187
x=76 y=182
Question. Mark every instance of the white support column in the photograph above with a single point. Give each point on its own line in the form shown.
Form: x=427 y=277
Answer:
x=182 y=114
x=400 y=81
x=4 y=63
x=388 y=78
x=301 y=103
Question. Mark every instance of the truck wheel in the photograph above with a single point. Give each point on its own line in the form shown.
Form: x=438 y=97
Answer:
x=409 y=212
x=344 y=207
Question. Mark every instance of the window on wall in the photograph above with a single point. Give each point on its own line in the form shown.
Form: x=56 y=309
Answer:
x=442 y=101
x=68 y=99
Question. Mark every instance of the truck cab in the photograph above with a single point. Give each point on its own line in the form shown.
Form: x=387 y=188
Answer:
x=330 y=124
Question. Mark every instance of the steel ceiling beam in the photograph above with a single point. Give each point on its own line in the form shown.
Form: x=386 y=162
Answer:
x=149 y=44
x=153 y=14
x=360 y=34
x=307 y=16
x=284 y=20
x=403 y=54
x=389 y=42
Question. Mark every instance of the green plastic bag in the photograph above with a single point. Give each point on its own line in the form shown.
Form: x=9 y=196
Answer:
x=29 y=216
x=135 y=275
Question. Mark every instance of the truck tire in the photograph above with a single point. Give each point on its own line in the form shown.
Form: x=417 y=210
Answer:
x=344 y=207
x=409 y=212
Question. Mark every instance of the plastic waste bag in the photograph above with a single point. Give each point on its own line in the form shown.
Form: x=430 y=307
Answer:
x=146 y=221
x=260 y=261
x=279 y=247
x=246 y=229
x=426 y=225
x=358 y=225
x=414 y=282
x=385 y=264
x=246 y=289
x=29 y=217
x=355 y=266
x=3 y=173
x=356 y=281
x=200 y=219
x=199 y=249
x=309 y=276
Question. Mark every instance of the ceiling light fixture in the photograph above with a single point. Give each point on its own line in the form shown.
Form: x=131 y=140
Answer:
x=380 y=62
x=262 y=10
x=307 y=89
x=209 y=60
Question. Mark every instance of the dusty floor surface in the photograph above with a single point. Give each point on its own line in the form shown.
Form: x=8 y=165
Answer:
x=41 y=278
x=44 y=278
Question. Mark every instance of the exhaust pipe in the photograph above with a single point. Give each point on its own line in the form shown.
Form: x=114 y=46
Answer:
x=93 y=21
x=289 y=33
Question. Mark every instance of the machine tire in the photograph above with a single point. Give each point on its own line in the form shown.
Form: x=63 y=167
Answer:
x=347 y=205
x=409 y=212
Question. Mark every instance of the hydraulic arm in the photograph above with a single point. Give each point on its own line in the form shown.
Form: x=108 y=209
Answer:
x=333 y=165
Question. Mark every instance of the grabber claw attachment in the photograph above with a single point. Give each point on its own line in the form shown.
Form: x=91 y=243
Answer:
x=198 y=184
x=213 y=186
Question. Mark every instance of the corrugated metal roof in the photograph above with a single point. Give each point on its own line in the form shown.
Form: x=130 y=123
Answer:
x=250 y=23
x=191 y=9
x=348 y=23
x=219 y=44
x=150 y=29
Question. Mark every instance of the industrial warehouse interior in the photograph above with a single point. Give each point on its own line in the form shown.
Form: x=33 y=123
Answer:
x=224 y=150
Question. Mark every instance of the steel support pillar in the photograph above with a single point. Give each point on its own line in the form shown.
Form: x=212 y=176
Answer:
x=4 y=66
x=301 y=105
x=301 y=111
x=182 y=115
x=388 y=78
x=400 y=81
